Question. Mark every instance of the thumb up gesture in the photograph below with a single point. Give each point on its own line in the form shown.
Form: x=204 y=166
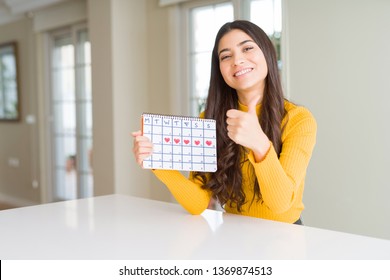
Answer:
x=244 y=129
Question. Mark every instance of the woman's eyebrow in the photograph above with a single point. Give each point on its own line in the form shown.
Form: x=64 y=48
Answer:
x=244 y=42
x=238 y=45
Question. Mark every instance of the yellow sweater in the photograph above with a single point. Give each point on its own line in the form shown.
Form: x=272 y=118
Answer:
x=281 y=180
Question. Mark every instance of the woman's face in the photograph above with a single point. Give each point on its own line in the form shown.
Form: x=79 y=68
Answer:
x=242 y=63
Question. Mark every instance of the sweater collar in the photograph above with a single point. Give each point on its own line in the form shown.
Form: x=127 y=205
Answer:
x=244 y=108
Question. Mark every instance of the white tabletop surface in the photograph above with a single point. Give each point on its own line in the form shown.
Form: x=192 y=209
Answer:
x=125 y=227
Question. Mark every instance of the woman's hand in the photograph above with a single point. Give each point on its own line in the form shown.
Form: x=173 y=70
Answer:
x=142 y=147
x=244 y=129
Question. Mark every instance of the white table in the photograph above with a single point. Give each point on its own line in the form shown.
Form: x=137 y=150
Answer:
x=123 y=227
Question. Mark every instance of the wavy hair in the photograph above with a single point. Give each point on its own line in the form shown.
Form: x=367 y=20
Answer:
x=226 y=183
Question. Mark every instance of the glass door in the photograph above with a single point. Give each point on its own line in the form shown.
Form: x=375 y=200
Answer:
x=71 y=114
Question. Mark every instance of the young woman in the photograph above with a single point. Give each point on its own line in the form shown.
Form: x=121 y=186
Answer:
x=264 y=142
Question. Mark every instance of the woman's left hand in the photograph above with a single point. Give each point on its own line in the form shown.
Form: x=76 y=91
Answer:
x=244 y=129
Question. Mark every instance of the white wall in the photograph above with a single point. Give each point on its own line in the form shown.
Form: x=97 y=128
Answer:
x=120 y=93
x=339 y=65
x=19 y=140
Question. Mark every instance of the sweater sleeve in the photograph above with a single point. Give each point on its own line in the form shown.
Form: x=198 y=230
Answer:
x=280 y=178
x=188 y=192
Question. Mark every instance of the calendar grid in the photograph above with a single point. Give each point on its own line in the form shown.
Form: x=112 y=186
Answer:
x=204 y=163
x=192 y=148
x=180 y=143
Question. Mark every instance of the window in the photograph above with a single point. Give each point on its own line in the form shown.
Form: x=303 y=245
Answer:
x=71 y=113
x=204 y=23
x=268 y=15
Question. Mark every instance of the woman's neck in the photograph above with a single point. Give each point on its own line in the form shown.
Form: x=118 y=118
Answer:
x=247 y=98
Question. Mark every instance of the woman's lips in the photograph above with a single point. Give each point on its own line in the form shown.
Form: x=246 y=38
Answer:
x=242 y=72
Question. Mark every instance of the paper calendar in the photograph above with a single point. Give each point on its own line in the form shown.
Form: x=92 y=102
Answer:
x=180 y=143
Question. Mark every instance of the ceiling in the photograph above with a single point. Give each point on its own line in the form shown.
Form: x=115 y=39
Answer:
x=11 y=10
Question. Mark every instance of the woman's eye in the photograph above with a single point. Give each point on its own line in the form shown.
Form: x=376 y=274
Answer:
x=248 y=48
x=224 y=57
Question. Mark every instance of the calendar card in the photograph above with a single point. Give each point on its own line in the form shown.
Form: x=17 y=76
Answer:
x=180 y=143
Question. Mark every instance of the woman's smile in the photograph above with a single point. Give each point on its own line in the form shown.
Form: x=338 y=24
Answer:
x=242 y=72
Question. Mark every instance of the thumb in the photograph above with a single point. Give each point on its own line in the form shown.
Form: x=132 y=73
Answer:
x=252 y=107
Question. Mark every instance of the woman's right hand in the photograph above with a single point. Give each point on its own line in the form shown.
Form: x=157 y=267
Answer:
x=142 y=147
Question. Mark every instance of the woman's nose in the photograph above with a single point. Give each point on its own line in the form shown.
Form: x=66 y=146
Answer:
x=238 y=59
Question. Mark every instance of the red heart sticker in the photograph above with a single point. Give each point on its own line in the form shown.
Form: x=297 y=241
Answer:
x=177 y=140
x=197 y=142
x=208 y=143
x=167 y=139
x=186 y=141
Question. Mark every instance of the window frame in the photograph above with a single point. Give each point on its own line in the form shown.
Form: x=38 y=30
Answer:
x=241 y=10
x=72 y=30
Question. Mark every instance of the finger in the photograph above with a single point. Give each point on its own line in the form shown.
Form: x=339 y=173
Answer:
x=139 y=150
x=144 y=150
x=252 y=107
x=136 y=133
x=141 y=159
x=233 y=136
x=233 y=113
x=142 y=141
x=141 y=155
x=232 y=121
x=233 y=130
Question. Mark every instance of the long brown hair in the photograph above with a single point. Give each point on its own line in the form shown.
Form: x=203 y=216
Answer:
x=226 y=182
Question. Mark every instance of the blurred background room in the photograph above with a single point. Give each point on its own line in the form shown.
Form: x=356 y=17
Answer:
x=76 y=75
